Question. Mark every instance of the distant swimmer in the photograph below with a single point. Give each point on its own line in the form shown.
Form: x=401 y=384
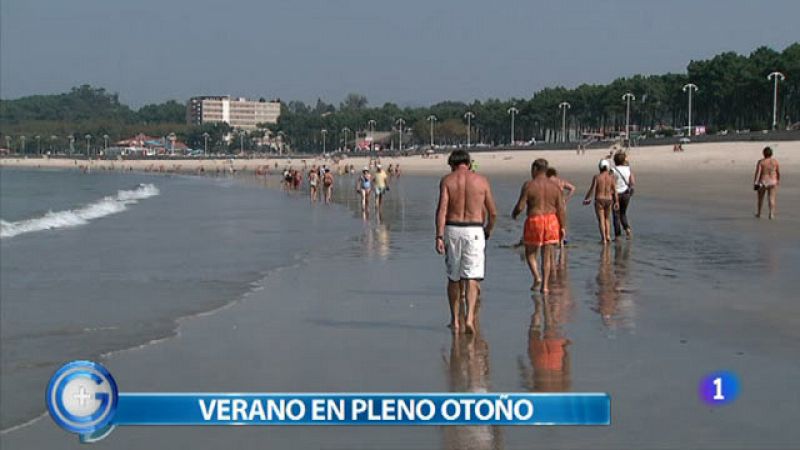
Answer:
x=327 y=183
x=287 y=178
x=545 y=226
x=381 y=186
x=465 y=218
x=364 y=187
x=766 y=181
x=298 y=179
x=605 y=199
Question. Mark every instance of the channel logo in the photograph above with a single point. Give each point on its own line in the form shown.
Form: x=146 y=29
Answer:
x=82 y=397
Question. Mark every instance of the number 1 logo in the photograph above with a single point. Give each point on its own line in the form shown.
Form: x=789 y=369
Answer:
x=719 y=388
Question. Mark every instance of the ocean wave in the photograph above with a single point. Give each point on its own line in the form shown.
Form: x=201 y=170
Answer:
x=106 y=206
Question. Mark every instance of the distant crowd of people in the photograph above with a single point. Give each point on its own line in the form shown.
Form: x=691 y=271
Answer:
x=321 y=181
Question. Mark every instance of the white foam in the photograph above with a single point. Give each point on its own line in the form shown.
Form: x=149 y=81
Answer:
x=79 y=216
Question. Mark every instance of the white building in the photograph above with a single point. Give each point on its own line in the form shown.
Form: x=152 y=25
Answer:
x=237 y=112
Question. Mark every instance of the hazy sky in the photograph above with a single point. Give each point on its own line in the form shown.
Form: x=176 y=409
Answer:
x=412 y=52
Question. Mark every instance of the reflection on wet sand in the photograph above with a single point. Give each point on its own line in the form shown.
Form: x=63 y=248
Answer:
x=547 y=346
x=467 y=370
x=614 y=294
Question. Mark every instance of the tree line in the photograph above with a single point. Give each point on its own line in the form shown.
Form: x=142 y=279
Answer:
x=733 y=94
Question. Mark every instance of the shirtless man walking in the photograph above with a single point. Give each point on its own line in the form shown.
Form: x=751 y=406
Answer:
x=605 y=199
x=465 y=218
x=545 y=227
x=766 y=181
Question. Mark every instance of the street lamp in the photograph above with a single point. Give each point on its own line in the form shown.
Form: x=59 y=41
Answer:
x=432 y=119
x=345 y=130
x=53 y=138
x=8 y=142
x=564 y=106
x=371 y=123
x=324 y=134
x=627 y=99
x=38 y=144
x=71 y=139
x=689 y=87
x=469 y=115
x=205 y=143
x=22 y=143
x=778 y=77
x=400 y=122
x=105 y=142
x=88 y=138
x=171 y=138
x=241 y=141
x=513 y=111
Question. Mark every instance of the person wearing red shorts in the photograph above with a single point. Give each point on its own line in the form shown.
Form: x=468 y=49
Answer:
x=545 y=225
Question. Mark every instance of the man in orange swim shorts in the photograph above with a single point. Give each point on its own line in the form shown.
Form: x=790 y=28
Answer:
x=545 y=226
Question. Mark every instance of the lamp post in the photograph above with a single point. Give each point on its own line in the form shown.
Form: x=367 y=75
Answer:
x=171 y=138
x=513 y=112
x=205 y=143
x=22 y=143
x=241 y=141
x=38 y=144
x=281 y=135
x=469 y=115
x=324 y=133
x=8 y=142
x=88 y=138
x=564 y=106
x=627 y=99
x=689 y=87
x=778 y=77
x=53 y=139
x=371 y=123
x=71 y=140
x=400 y=122
x=345 y=130
x=432 y=119
x=105 y=142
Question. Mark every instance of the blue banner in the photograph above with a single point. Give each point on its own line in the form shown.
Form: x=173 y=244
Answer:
x=362 y=409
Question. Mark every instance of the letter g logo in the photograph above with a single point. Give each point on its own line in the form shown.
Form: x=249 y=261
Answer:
x=82 y=397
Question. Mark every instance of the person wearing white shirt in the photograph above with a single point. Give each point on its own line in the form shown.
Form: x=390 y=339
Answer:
x=625 y=180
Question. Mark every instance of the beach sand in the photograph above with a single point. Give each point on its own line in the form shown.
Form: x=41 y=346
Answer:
x=729 y=156
x=703 y=286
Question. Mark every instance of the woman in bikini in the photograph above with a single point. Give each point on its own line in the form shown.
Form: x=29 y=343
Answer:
x=605 y=199
x=327 y=183
x=766 y=181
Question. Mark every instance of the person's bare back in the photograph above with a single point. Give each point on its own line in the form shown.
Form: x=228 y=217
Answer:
x=542 y=196
x=605 y=186
x=465 y=197
x=768 y=172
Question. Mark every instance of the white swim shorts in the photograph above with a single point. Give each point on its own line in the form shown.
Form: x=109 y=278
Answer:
x=465 y=247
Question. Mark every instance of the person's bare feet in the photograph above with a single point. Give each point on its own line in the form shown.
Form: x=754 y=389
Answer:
x=771 y=216
x=545 y=289
x=536 y=283
x=469 y=328
x=758 y=215
x=629 y=233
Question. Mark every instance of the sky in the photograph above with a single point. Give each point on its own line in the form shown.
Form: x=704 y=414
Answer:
x=413 y=53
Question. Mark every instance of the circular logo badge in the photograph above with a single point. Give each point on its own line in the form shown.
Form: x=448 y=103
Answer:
x=82 y=397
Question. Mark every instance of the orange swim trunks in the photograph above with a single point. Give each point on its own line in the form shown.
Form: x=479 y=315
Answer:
x=542 y=229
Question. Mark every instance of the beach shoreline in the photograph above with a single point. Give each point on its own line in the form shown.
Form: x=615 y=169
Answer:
x=700 y=157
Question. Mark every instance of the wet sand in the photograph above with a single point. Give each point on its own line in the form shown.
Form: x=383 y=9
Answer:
x=702 y=287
